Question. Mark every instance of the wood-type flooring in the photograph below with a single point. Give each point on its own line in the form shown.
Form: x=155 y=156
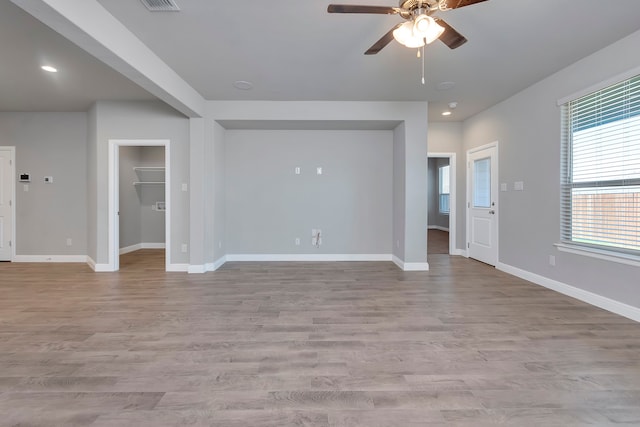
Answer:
x=307 y=344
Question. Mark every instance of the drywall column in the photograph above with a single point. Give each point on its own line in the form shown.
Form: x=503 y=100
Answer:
x=415 y=155
x=399 y=196
x=197 y=195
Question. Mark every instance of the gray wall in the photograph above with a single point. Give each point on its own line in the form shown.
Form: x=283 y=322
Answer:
x=446 y=137
x=49 y=144
x=142 y=120
x=217 y=247
x=435 y=218
x=268 y=206
x=527 y=127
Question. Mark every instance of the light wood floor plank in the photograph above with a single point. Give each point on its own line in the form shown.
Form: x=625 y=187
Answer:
x=307 y=344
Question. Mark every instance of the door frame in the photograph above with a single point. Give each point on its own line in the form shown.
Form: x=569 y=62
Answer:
x=114 y=196
x=12 y=193
x=452 y=197
x=494 y=144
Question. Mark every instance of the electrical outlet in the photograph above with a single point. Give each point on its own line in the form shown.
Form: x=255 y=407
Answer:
x=184 y=247
x=319 y=170
x=69 y=241
x=316 y=237
x=48 y=179
x=552 y=260
x=297 y=170
x=297 y=241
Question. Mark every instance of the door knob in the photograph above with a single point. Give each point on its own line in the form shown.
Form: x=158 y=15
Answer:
x=492 y=212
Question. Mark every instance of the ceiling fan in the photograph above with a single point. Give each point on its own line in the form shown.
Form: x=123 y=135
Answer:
x=421 y=27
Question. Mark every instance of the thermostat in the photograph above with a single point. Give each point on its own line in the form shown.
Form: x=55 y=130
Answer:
x=25 y=177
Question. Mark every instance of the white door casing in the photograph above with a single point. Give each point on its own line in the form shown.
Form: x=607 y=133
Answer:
x=482 y=203
x=114 y=197
x=452 y=198
x=7 y=208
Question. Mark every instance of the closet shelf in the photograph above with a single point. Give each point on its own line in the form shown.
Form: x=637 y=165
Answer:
x=149 y=168
x=149 y=175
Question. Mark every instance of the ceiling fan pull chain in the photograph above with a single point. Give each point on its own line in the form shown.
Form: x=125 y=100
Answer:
x=422 y=62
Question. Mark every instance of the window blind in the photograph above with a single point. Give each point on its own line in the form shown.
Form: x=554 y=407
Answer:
x=600 y=188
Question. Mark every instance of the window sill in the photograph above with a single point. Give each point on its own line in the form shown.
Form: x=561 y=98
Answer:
x=600 y=254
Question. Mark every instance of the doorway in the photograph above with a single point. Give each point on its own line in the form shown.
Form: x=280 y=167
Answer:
x=482 y=203
x=147 y=179
x=7 y=203
x=441 y=206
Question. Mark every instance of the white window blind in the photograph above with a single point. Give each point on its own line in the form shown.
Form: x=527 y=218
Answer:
x=600 y=188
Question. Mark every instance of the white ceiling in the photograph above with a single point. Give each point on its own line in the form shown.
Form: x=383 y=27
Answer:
x=295 y=50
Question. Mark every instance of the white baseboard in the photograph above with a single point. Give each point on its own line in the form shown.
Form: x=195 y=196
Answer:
x=213 y=266
x=195 y=269
x=437 y=227
x=605 y=303
x=180 y=268
x=410 y=266
x=459 y=252
x=99 y=268
x=139 y=246
x=210 y=266
x=308 y=257
x=51 y=258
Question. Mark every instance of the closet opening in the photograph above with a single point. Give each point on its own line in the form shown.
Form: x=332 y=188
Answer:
x=139 y=226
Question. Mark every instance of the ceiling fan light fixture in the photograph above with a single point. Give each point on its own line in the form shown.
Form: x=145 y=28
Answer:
x=427 y=28
x=405 y=35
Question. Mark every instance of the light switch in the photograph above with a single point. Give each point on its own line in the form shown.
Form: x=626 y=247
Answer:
x=503 y=186
x=185 y=187
x=297 y=170
x=518 y=186
x=319 y=170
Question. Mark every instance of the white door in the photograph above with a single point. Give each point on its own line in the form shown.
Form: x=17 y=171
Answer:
x=482 y=203
x=6 y=203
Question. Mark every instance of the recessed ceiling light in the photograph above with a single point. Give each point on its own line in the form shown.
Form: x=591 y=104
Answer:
x=445 y=85
x=446 y=113
x=243 y=85
x=49 y=68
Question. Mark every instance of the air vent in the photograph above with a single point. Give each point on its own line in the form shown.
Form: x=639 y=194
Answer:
x=161 y=5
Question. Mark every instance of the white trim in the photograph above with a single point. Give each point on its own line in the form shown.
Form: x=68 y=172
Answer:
x=410 y=266
x=98 y=268
x=196 y=269
x=598 y=86
x=138 y=246
x=308 y=257
x=213 y=266
x=605 y=303
x=453 y=191
x=180 y=268
x=600 y=254
x=51 y=258
x=12 y=185
x=113 y=179
x=460 y=252
x=437 y=227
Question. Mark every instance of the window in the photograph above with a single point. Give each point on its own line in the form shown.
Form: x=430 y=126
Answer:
x=443 y=189
x=600 y=188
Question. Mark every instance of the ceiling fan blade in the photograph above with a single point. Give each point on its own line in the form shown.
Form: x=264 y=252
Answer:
x=455 y=4
x=347 y=8
x=384 y=40
x=450 y=37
